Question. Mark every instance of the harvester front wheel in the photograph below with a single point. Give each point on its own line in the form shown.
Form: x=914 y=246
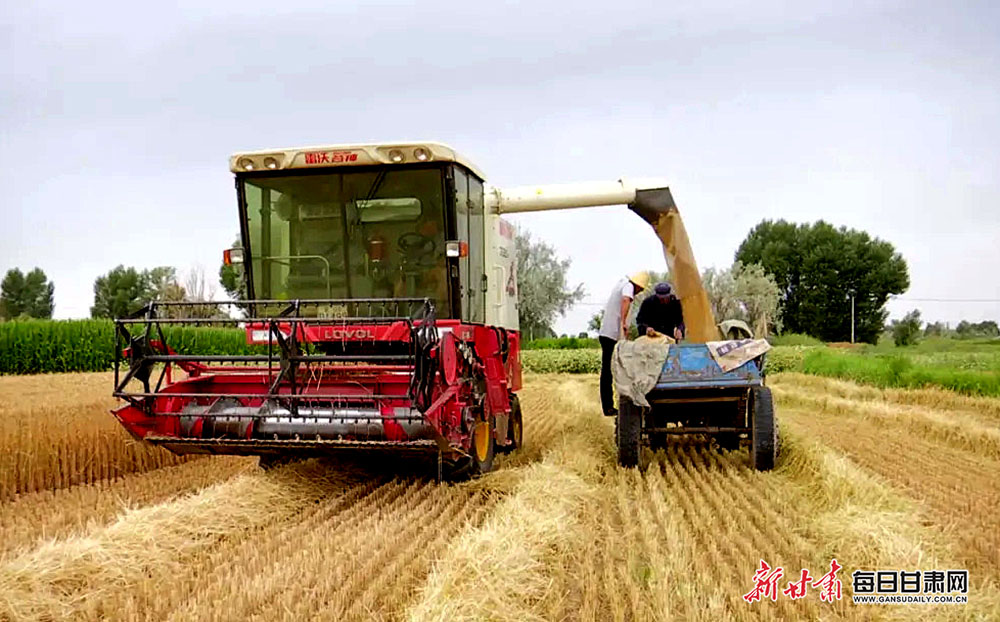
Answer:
x=629 y=432
x=483 y=448
x=764 y=449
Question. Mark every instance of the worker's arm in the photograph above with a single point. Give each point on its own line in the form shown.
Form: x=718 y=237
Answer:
x=626 y=303
x=678 y=319
x=643 y=319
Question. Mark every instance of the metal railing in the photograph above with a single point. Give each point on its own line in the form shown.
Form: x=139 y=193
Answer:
x=290 y=349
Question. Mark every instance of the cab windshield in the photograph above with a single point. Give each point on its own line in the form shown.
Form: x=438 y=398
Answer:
x=354 y=234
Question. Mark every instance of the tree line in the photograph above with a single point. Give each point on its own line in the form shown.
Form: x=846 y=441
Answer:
x=804 y=278
x=821 y=270
x=786 y=277
x=116 y=294
x=28 y=295
x=909 y=330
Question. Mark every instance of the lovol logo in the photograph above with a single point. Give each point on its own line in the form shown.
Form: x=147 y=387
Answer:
x=330 y=157
x=348 y=333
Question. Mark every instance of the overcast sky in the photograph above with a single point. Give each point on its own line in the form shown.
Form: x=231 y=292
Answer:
x=117 y=119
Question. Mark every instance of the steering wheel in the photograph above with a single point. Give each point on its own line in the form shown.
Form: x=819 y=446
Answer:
x=417 y=247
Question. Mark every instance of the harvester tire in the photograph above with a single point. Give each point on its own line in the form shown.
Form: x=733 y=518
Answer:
x=629 y=432
x=482 y=449
x=764 y=450
x=515 y=429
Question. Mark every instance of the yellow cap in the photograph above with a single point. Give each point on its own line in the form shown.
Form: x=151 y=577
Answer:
x=640 y=278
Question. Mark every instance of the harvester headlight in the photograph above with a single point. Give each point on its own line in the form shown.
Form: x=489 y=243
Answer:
x=396 y=156
x=421 y=154
x=246 y=164
x=270 y=163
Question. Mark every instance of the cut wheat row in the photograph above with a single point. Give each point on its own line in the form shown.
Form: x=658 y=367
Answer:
x=72 y=577
x=958 y=485
x=409 y=529
x=683 y=539
x=49 y=514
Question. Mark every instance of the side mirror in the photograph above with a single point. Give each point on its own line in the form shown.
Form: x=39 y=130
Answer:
x=232 y=256
x=455 y=248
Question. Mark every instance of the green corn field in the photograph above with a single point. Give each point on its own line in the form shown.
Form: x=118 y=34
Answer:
x=51 y=346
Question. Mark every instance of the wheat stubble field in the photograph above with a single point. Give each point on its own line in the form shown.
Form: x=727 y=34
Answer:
x=95 y=527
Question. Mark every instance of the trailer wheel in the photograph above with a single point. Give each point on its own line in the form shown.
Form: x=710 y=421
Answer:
x=515 y=428
x=764 y=450
x=629 y=432
x=482 y=447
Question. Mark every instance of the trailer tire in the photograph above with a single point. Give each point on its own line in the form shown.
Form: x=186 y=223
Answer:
x=515 y=428
x=764 y=449
x=482 y=449
x=629 y=432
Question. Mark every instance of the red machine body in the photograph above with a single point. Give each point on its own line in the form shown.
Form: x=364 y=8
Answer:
x=380 y=312
x=314 y=386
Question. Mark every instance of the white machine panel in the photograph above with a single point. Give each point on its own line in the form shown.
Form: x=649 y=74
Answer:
x=501 y=266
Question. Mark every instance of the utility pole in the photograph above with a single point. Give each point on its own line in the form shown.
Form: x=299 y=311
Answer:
x=852 y=317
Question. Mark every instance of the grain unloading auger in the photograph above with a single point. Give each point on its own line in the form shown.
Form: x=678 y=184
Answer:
x=380 y=314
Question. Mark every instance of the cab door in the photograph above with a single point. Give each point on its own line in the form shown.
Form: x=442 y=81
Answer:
x=477 y=252
x=461 y=186
x=469 y=230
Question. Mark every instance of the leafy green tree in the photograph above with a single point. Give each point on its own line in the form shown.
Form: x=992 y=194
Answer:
x=122 y=291
x=26 y=296
x=817 y=267
x=935 y=329
x=906 y=332
x=543 y=292
x=163 y=283
x=969 y=330
x=595 y=321
x=125 y=290
x=744 y=292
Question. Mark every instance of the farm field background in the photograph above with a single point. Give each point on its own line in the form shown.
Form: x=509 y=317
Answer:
x=969 y=366
x=95 y=526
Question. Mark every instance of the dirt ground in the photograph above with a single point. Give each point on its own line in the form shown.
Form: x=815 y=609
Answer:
x=878 y=480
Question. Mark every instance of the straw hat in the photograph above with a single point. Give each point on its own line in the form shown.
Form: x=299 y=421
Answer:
x=640 y=278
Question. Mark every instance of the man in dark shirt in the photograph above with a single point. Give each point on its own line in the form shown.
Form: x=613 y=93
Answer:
x=661 y=313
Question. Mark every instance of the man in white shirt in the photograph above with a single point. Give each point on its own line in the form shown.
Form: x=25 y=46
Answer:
x=614 y=327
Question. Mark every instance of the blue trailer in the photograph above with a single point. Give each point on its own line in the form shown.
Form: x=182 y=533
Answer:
x=694 y=396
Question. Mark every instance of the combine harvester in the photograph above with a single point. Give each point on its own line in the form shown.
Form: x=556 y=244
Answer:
x=381 y=312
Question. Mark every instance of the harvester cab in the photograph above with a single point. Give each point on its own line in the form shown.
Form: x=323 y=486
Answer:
x=380 y=312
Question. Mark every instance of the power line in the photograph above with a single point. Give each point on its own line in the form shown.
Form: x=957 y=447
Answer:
x=591 y=303
x=984 y=300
